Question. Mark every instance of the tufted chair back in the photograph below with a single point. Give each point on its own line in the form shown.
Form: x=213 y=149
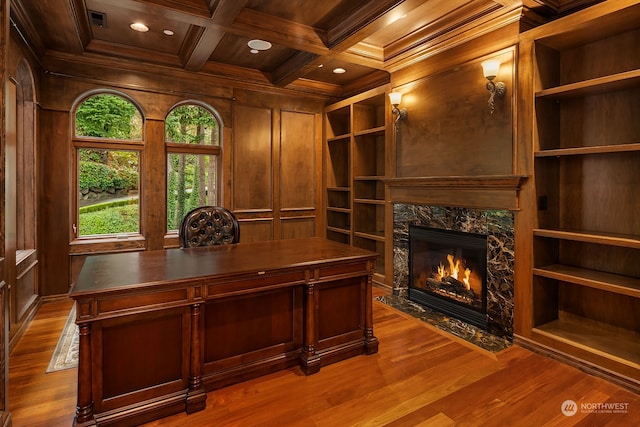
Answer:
x=209 y=226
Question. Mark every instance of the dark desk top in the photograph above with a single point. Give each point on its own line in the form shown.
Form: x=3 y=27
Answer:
x=109 y=272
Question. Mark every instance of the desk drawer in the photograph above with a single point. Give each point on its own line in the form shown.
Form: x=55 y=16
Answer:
x=251 y=283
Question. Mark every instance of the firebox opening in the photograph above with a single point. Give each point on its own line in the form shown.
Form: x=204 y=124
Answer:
x=447 y=272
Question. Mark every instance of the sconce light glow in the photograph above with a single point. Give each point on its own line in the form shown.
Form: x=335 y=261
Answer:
x=395 y=98
x=490 y=69
x=400 y=114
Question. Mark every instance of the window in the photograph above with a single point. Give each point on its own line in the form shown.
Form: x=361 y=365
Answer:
x=108 y=146
x=192 y=136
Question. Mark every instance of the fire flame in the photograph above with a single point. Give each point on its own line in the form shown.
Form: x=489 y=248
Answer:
x=453 y=271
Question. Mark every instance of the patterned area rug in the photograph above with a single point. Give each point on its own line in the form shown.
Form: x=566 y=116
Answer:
x=65 y=355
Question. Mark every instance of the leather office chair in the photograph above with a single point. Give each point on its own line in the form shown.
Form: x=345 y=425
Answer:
x=209 y=226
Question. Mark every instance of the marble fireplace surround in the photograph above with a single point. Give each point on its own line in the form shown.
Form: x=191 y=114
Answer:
x=482 y=205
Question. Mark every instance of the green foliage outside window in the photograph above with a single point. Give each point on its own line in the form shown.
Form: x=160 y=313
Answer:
x=191 y=124
x=108 y=170
x=105 y=176
x=99 y=176
x=121 y=217
x=108 y=116
x=191 y=178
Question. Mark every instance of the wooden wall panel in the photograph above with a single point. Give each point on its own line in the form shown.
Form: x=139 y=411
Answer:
x=54 y=221
x=297 y=157
x=450 y=130
x=292 y=228
x=25 y=291
x=251 y=159
x=9 y=214
x=256 y=230
x=154 y=185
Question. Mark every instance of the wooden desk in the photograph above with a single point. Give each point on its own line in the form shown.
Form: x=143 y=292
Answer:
x=158 y=329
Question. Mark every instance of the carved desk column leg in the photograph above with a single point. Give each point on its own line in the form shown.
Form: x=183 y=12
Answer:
x=84 y=408
x=370 y=341
x=309 y=360
x=196 y=396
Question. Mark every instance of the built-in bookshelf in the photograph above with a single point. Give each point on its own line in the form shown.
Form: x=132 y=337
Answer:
x=355 y=167
x=586 y=243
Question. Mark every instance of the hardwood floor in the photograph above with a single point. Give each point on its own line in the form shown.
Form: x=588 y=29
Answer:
x=419 y=377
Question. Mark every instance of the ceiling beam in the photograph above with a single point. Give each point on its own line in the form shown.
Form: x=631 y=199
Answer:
x=224 y=14
x=296 y=67
x=170 y=8
x=81 y=20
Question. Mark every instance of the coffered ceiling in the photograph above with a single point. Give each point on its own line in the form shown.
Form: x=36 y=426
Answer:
x=309 y=38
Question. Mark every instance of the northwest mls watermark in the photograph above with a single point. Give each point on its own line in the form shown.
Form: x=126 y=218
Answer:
x=570 y=408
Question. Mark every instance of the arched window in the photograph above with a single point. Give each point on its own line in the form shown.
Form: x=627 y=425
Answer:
x=192 y=136
x=108 y=142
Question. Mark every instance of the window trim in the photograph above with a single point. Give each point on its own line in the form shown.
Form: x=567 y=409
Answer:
x=216 y=150
x=107 y=242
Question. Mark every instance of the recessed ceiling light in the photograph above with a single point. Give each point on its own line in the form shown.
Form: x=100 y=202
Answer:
x=168 y=32
x=259 y=44
x=139 y=26
x=254 y=51
x=339 y=70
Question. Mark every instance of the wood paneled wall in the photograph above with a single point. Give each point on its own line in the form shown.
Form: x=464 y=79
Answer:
x=271 y=162
x=450 y=130
x=276 y=167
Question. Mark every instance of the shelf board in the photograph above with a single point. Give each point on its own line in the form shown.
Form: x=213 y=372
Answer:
x=338 y=229
x=617 y=344
x=594 y=279
x=369 y=201
x=622 y=240
x=372 y=235
x=343 y=189
x=599 y=149
x=342 y=137
x=369 y=178
x=377 y=131
x=338 y=209
x=595 y=86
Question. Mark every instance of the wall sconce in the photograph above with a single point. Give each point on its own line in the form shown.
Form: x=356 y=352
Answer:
x=490 y=70
x=400 y=114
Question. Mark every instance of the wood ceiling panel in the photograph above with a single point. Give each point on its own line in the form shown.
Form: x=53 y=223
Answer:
x=303 y=11
x=425 y=14
x=117 y=29
x=54 y=23
x=324 y=71
x=235 y=51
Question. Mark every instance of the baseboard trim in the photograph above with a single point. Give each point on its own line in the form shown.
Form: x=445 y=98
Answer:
x=581 y=364
x=24 y=324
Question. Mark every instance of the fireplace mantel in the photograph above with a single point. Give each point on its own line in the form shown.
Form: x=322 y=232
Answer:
x=481 y=192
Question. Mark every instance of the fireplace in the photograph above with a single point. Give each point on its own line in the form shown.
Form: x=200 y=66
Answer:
x=448 y=272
